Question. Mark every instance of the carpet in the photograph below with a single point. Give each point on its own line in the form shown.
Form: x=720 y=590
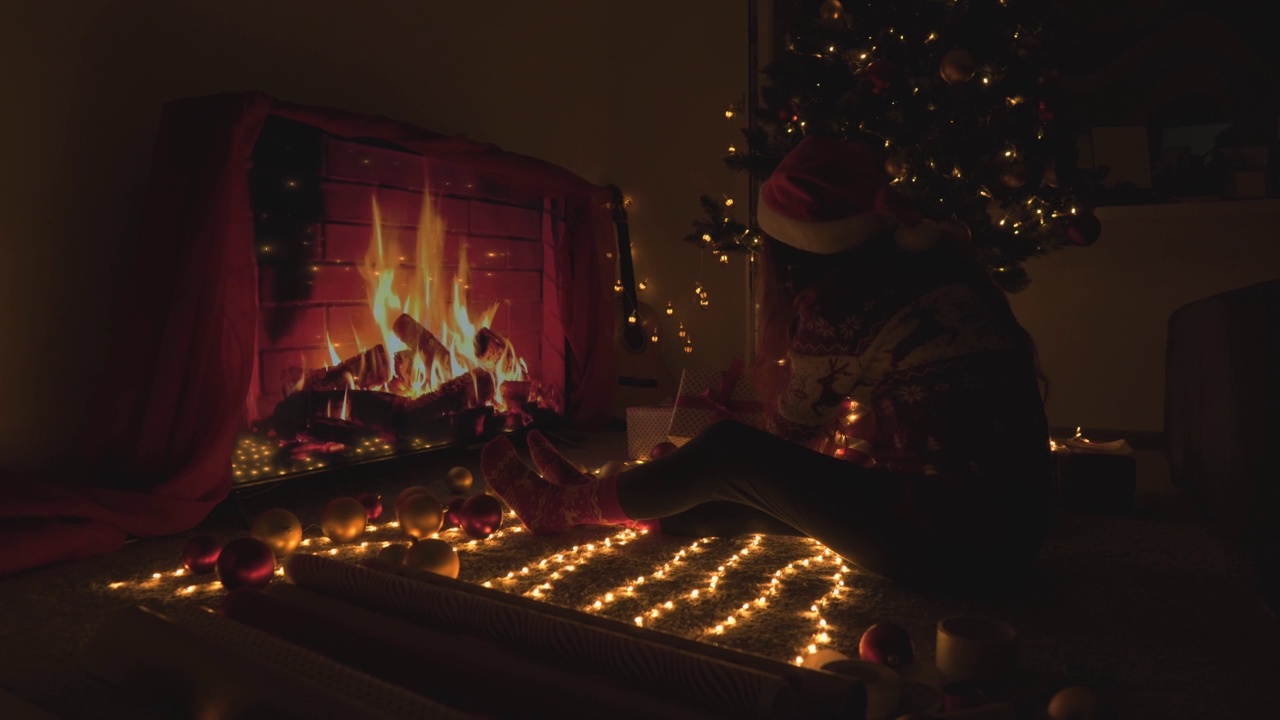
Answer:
x=1150 y=606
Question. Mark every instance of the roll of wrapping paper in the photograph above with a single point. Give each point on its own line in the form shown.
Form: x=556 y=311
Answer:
x=462 y=672
x=717 y=681
x=193 y=663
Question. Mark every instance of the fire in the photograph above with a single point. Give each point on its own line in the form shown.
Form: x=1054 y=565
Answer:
x=426 y=328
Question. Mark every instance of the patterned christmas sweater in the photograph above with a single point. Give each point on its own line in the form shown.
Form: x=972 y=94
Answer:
x=907 y=363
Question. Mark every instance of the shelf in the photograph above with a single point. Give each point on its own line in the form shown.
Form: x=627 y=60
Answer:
x=1190 y=209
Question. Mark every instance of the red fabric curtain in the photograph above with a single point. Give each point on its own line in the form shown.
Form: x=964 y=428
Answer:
x=160 y=444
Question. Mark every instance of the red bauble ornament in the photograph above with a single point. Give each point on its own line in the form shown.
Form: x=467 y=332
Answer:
x=246 y=562
x=880 y=74
x=453 y=514
x=372 y=505
x=887 y=644
x=200 y=554
x=1044 y=112
x=481 y=516
x=789 y=112
x=662 y=449
x=1084 y=229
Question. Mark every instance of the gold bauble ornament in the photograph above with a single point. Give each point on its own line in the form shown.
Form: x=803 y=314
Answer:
x=896 y=166
x=433 y=555
x=409 y=491
x=831 y=10
x=957 y=66
x=421 y=515
x=459 y=480
x=1014 y=175
x=343 y=519
x=393 y=554
x=279 y=529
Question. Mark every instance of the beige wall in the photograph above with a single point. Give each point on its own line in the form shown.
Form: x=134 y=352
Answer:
x=1099 y=314
x=628 y=93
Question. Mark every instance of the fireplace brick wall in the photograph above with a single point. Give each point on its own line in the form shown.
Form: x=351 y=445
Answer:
x=310 y=281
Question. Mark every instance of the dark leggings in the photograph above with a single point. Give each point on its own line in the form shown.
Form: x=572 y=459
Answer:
x=734 y=479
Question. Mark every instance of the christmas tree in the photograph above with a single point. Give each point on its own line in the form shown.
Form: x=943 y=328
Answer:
x=964 y=98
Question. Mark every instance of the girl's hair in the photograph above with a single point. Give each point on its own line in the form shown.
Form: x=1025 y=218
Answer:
x=784 y=274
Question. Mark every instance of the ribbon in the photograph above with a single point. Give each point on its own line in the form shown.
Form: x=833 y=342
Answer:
x=719 y=399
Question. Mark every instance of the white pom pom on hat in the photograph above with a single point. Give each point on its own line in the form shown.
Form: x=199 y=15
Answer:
x=828 y=196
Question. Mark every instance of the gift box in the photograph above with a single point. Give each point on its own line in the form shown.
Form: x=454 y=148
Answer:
x=1095 y=476
x=647 y=425
x=708 y=396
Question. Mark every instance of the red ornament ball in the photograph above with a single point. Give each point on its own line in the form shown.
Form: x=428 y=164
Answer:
x=453 y=513
x=887 y=644
x=662 y=449
x=880 y=74
x=1084 y=229
x=481 y=516
x=246 y=562
x=372 y=505
x=200 y=554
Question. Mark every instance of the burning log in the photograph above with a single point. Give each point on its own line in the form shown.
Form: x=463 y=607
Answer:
x=515 y=393
x=369 y=408
x=490 y=347
x=369 y=369
x=461 y=393
x=337 y=430
x=420 y=340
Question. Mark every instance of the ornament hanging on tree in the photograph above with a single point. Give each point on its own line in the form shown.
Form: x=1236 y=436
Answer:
x=1050 y=175
x=831 y=10
x=1014 y=174
x=245 y=562
x=459 y=481
x=421 y=515
x=200 y=554
x=789 y=112
x=278 y=528
x=1084 y=229
x=957 y=66
x=897 y=166
x=433 y=555
x=343 y=519
x=880 y=73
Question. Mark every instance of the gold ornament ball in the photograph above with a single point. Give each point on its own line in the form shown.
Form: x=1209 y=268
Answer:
x=831 y=10
x=433 y=555
x=393 y=554
x=896 y=166
x=278 y=528
x=957 y=66
x=343 y=519
x=409 y=492
x=421 y=515
x=1014 y=175
x=1075 y=702
x=459 y=481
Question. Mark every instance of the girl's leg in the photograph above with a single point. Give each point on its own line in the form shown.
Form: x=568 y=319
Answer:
x=720 y=518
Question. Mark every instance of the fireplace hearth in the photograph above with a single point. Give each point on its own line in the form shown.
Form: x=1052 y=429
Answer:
x=405 y=304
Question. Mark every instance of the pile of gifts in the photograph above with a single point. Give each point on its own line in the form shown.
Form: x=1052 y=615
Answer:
x=705 y=397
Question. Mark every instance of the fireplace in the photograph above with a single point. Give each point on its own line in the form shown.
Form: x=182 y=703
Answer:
x=405 y=303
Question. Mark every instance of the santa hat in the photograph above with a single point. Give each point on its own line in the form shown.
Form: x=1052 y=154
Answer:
x=829 y=195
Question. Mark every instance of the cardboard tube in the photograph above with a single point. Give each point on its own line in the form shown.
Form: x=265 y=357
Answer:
x=971 y=647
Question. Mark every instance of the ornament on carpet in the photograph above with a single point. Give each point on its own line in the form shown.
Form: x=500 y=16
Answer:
x=453 y=513
x=245 y=562
x=200 y=553
x=421 y=515
x=409 y=492
x=372 y=505
x=278 y=528
x=662 y=449
x=433 y=555
x=887 y=644
x=459 y=480
x=343 y=519
x=481 y=516
x=1075 y=702
x=393 y=554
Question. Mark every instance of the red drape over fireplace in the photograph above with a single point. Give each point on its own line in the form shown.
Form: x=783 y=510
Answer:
x=161 y=443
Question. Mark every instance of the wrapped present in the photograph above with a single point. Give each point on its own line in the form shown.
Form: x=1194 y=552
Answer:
x=647 y=425
x=708 y=396
x=1095 y=476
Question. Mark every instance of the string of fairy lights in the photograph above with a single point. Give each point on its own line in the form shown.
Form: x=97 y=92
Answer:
x=687 y=577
